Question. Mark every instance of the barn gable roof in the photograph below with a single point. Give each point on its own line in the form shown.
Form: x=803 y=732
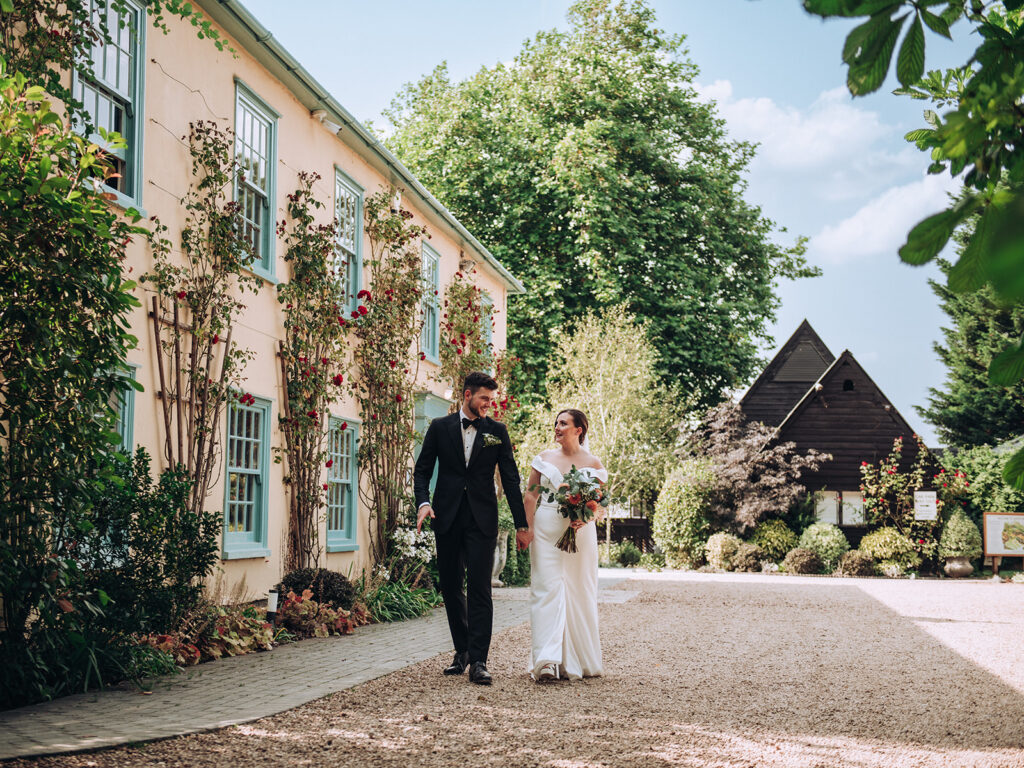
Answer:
x=800 y=362
x=840 y=366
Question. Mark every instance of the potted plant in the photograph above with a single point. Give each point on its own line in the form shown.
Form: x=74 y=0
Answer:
x=960 y=543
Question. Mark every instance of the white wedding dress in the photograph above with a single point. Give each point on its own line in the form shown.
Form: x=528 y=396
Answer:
x=563 y=588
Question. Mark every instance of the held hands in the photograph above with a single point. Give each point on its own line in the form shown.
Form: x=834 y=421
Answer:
x=523 y=538
x=422 y=514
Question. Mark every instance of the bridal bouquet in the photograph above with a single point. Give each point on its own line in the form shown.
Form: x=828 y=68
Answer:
x=578 y=498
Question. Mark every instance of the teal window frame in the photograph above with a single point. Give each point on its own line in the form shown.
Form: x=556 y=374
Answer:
x=251 y=114
x=126 y=412
x=238 y=545
x=348 y=204
x=428 y=407
x=342 y=479
x=430 y=338
x=124 y=98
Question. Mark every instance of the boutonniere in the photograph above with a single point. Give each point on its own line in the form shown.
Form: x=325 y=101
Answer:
x=490 y=440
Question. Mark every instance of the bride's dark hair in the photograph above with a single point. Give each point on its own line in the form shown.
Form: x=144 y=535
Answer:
x=579 y=419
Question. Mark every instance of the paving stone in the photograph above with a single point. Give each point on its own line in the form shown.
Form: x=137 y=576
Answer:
x=240 y=689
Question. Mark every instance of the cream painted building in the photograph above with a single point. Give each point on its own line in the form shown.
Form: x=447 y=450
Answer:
x=150 y=86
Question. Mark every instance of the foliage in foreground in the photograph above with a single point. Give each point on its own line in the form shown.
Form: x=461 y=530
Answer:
x=720 y=550
x=888 y=547
x=324 y=585
x=855 y=563
x=801 y=560
x=774 y=538
x=979 y=138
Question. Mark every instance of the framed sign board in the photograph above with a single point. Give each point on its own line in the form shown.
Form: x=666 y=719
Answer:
x=1003 y=535
x=925 y=506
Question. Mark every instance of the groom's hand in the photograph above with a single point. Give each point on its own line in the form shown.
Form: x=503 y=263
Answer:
x=523 y=538
x=422 y=514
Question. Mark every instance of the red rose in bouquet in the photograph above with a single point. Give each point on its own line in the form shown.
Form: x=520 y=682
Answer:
x=579 y=497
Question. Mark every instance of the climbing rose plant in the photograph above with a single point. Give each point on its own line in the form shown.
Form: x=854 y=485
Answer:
x=387 y=322
x=199 y=295
x=313 y=358
x=888 y=492
x=464 y=347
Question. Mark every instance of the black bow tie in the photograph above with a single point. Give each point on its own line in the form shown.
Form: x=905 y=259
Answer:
x=467 y=423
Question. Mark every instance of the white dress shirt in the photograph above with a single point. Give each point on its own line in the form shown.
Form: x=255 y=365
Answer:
x=468 y=435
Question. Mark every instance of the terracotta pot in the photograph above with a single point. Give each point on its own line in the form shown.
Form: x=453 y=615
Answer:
x=958 y=567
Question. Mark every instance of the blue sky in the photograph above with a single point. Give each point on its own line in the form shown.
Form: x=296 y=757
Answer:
x=829 y=167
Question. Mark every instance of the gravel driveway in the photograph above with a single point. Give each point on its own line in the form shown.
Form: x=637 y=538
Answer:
x=700 y=671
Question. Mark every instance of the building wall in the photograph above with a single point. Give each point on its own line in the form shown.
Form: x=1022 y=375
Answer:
x=852 y=420
x=188 y=79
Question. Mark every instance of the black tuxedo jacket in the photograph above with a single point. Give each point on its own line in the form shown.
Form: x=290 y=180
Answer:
x=443 y=444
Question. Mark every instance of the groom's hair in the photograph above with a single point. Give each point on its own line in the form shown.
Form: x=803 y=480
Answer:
x=478 y=379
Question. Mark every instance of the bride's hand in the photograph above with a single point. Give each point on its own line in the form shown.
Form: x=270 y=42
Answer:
x=577 y=524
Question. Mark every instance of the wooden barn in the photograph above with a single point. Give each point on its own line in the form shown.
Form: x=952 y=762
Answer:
x=829 y=403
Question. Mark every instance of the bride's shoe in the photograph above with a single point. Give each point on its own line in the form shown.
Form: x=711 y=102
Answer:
x=547 y=672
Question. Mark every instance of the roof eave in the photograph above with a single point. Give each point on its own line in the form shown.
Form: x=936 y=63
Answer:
x=238 y=22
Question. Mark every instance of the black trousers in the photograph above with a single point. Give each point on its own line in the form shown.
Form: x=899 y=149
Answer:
x=464 y=551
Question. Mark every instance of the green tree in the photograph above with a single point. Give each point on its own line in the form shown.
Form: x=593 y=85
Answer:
x=63 y=341
x=968 y=410
x=606 y=367
x=591 y=169
x=979 y=137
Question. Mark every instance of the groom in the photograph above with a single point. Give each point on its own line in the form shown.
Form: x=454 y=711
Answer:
x=466 y=446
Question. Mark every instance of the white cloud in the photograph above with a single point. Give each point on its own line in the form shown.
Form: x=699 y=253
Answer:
x=881 y=225
x=838 y=149
x=830 y=129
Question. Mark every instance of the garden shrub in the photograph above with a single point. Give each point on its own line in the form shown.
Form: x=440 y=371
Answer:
x=774 y=538
x=517 y=567
x=397 y=601
x=855 y=563
x=608 y=554
x=986 y=490
x=748 y=558
x=652 y=561
x=680 y=526
x=326 y=586
x=629 y=554
x=827 y=542
x=801 y=560
x=960 y=537
x=63 y=344
x=720 y=549
x=146 y=550
x=888 y=547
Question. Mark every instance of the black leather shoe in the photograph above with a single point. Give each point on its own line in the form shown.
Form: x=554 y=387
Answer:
x=458 y=665
x=478 y=673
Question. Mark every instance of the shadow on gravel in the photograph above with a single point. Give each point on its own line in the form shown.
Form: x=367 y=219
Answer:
x=697 y=675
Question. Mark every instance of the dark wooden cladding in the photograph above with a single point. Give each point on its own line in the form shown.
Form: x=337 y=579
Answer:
x=800 y=362
x=828 y=404
x=774 y=401
x=850 y=418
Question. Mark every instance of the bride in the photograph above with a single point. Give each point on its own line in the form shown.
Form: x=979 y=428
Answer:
x=563 y=585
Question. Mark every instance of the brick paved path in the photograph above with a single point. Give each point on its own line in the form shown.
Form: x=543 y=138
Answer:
x=243 y=688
